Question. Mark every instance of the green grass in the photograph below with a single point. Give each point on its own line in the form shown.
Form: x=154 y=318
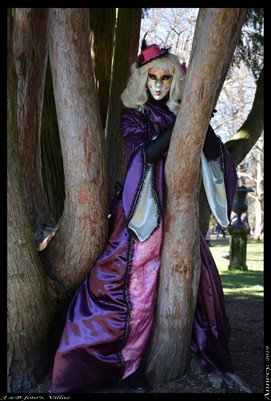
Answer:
x=237 y=284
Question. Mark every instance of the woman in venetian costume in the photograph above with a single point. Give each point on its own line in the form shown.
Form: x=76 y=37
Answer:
x=110 y=318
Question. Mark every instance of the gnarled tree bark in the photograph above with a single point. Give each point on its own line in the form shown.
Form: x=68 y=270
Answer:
x=29 y=310
x=82 y=227
x=30 y=49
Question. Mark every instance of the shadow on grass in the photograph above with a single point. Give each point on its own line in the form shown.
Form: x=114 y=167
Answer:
x=219 y=242
x=246 y=285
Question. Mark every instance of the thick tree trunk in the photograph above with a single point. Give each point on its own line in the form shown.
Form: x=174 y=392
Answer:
x=180 y=260
x=125 y=52
x=246 y=137
x=31 y=53
x=29 y=311
x=205 y=212
x=82 y=228
x=102 y=27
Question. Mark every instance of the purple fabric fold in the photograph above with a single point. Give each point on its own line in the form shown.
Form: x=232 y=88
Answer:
x=211 y=328
x=88 y=353
x=135 y=134
x=132 y=183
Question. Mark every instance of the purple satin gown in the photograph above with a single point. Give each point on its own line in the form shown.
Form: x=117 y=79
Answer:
x=110 y=317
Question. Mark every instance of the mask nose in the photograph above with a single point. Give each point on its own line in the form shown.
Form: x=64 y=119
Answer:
x=158 y=84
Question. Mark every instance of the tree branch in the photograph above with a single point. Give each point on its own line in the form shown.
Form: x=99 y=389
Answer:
x=246 y=137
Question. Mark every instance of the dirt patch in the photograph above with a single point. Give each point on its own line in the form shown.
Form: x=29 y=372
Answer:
x=247 y=350
x=247 y=342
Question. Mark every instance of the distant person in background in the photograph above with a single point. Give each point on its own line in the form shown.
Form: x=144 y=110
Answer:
x=208 y=237
x=217 y=231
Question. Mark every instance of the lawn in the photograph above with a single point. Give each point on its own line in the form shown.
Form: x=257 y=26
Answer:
x=246 y=285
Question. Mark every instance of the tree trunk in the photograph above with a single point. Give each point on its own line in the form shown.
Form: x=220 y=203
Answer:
x=246 y=137
x=82 y=227
x=102 y=25
x=30 y=46
x=27 y=299
x=205 y=211
x=180 y=260
x=52 y=163
x=125 y=52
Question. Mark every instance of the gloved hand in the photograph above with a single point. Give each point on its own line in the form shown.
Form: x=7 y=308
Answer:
x=157 y=148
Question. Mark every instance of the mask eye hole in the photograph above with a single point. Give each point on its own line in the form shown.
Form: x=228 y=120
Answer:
x=166 y=77
x=152 y=76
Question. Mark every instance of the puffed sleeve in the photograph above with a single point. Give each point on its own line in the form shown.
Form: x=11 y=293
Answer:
x=220 y=181
x=133 y=131
x=140 y=199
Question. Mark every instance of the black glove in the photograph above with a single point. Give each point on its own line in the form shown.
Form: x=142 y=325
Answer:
x=211 y=144
x=157 y=148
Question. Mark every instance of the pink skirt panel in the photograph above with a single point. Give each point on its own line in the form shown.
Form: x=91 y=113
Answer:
x=143 y=281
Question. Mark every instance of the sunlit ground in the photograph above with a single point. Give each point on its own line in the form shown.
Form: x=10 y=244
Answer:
x=247 y=285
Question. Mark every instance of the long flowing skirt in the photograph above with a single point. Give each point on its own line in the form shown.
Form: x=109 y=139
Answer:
x=110 y=317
